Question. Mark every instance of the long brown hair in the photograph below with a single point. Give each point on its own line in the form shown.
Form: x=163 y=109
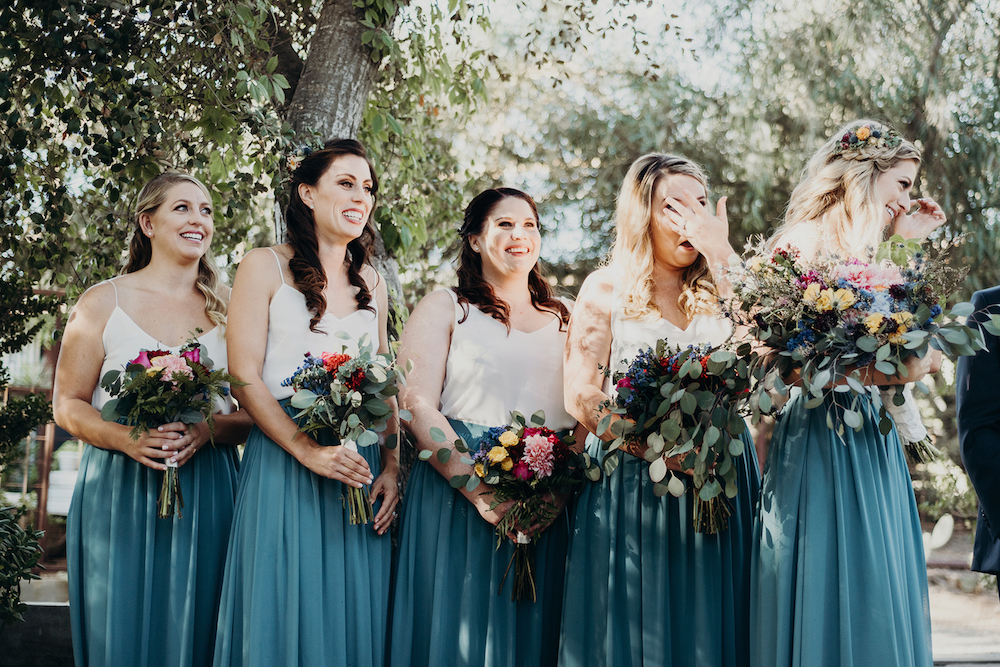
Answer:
x=140 y=248
x=300 y=232
x=473 y=287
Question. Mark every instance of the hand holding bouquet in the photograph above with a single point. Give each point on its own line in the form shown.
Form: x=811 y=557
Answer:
x=160 y=387
x=350 y=396
x=527 y=464
x=830 y=318
x=683 y=403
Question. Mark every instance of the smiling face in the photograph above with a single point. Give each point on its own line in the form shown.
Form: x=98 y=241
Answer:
x=670 y=249
x=510 y=240
x=182 y=225
x=342 y=198
x=892 y=188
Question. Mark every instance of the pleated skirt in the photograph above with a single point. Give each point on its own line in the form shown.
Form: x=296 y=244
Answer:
x=449 y=609
x=839 y=577
x=643 y=588
x=303 y=587
x=144 y=591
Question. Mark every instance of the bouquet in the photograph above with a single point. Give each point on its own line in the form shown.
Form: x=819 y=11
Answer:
x=160 y=387
x=350 y=396
x=832 y=316
x=527 y=464
x=683 y=402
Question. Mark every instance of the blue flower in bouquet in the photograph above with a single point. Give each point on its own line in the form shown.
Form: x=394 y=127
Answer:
x=803 y=342
x=882 y=303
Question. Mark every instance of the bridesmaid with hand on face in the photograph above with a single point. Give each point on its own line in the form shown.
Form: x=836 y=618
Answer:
x=838 y=563
x=145 y=591
x=303 y=586
x=487 y=347
x=642 y=587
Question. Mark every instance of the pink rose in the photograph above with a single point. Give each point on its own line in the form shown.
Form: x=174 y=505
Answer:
x=142 y=359
x=192 y=355
x=624 y=382
x=522 y=471
x=171 y=363
x=538 y=454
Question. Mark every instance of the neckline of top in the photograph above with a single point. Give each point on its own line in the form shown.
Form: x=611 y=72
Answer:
x=154 y=338
x=327 y=313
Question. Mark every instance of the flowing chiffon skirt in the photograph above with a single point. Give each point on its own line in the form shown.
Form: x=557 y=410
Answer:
x=446 y=608
x=303 y=587
x=643 y=588
x=838 y=565
x=145 y=591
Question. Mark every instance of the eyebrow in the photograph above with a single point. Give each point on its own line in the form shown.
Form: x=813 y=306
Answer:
x=363 y=180
x=189 y=202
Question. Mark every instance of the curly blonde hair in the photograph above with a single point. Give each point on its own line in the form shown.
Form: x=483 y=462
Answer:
x=140 y=249
x=631 y=255
x=838 y=192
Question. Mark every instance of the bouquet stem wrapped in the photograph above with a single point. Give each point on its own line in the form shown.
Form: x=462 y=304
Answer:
x=159 y=387
x=351 y=397
x=529 y=464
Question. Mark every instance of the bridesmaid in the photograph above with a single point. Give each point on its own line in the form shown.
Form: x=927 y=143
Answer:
x=487 y=347
x=303 y=586
x=145 y=591
x=838 y=561
x=642 y=587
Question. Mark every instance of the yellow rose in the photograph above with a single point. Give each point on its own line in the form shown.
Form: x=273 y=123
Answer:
x=811 y=293
x=863 y=132
x=508 y=438
x=903 y=319
x=754 y=264
x=897 y=338
x=498 y=454
x=844 y=298
x=507 y=464
x=480 y=470
x=825 y=300
x=874 y=322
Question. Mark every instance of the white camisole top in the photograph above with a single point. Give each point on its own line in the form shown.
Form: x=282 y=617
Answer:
x=491 y=371
x=289 y=336
x=123 y=339
x=629 y=335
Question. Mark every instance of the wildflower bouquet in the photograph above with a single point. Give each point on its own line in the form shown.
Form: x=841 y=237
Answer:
x=160 y=387
x=832 y=317
x=527 y=463
x=350 y=396
x=683 y=402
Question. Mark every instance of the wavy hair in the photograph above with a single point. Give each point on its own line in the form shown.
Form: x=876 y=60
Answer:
x=839 y=192
x=300 y=232
x=140 y=248
x=632 y=253
x=472 y=285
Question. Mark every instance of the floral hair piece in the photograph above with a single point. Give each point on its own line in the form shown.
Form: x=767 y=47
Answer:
x=860 y=142
x=295 y=158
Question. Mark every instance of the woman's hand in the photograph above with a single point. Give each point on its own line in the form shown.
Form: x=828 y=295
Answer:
x=386 y=486
x=153 y=447
x=709 y=234
x=192 y=438
x=928 y=217
x=339 y=463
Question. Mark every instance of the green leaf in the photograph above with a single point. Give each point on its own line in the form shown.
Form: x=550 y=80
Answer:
x=443 y=454
x=688 y=404
x=303 y=398
x=736 y=447
x=538 y=418
x=109 y=411
x=458 y=481
x=437 y=435
x=853 y=419
x=425 y=454
x=963 y=309
x=471 y=485
x=610 y=462
x=885 y=367
x=867 y=344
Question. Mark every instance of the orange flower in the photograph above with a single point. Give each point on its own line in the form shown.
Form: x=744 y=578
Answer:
x=863 y=132
x=331 y=362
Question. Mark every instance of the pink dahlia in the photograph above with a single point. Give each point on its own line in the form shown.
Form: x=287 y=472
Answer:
x=171 y=363
x=538 y=454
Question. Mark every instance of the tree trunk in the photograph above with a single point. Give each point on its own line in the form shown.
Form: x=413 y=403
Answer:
x=330 y=98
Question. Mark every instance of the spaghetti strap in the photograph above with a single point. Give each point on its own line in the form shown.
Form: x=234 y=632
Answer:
x=459 y=309
x=281 y=272
x=111 y=281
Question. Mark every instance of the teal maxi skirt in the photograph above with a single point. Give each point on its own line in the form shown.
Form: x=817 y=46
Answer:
x=144 y=591
x=303 y=587
x=643 y=588
x=448 y=608
x=838 y=565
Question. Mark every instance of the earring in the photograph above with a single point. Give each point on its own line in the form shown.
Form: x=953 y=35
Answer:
x=476 y=248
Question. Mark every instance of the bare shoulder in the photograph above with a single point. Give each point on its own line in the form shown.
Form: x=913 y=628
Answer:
x=439 y=304
x=597 y=290
x=373 y=279
x=806 y=236
x=96 y=304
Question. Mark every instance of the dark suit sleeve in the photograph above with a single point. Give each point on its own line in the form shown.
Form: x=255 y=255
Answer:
x=977 y=393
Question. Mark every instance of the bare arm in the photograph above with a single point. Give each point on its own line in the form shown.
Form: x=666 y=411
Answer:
x=77 y=375
x=425 y=342
x=387 y=483
x=257 y=280
x=588 y=346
